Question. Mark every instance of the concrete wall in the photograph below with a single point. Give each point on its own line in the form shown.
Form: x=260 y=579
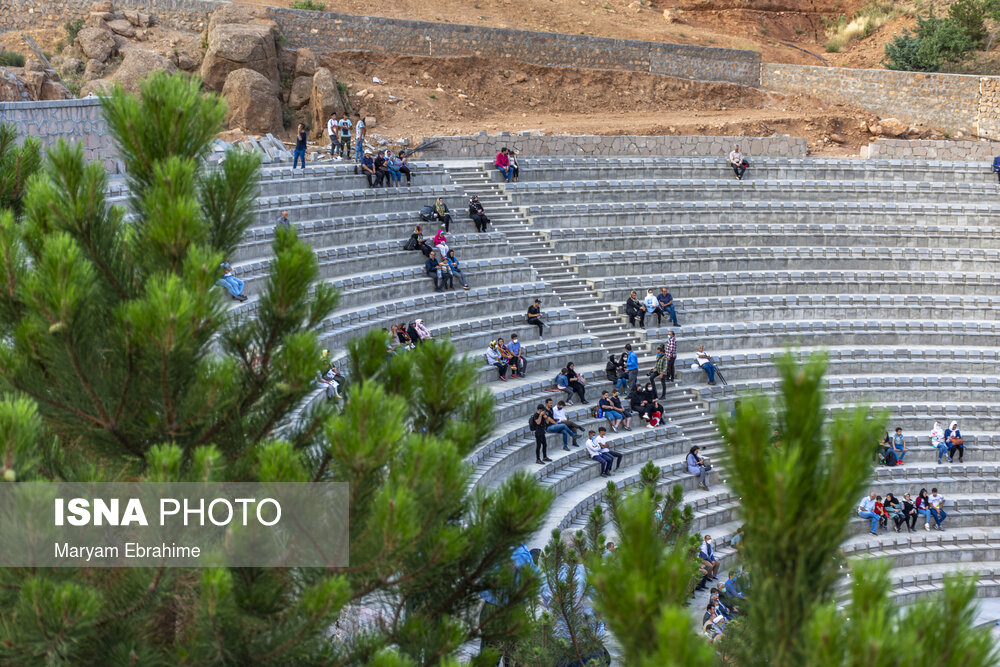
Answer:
x=72 y=120
x=487 y=146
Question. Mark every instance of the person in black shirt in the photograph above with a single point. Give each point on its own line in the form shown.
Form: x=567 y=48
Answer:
x=635 y=308
x=576 y=382
x=300 y=148
x=535 y=317
x=381 y=171
x=477 y=214
x=537 y=423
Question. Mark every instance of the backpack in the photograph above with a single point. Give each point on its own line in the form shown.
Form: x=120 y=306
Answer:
x=427 y=213
x=890 y=457
x=996 y=163
x=531 y=422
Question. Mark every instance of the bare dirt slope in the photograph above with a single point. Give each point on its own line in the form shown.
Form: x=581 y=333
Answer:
x=425 y=96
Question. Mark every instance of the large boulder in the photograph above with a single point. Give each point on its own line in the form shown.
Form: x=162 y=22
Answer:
x=253 y=102
x=93 y=70
x=324 y=100
x=55 y=90
x=186 y=52
x=97 y=87
x=96 y=43
x=122 y=27
x=306 y=63
x=239 y=39
x=301 y=92
x=137 y=65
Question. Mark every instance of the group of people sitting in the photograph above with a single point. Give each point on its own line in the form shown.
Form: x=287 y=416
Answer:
x=947 y=441
x=385 y=168
x=329 y=378
x=438 y=212
x=441 y=263
x=507 y=357
x=725 y=598
x=653 y=304
x=405 y=336
x=879 y=511
x=506 y=164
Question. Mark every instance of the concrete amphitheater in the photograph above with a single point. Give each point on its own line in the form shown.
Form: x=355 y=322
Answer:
x=890 y=266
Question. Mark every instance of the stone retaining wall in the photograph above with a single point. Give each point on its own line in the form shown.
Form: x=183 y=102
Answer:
x=72 y=120
x=190 y=15
x=486 y=146
x=957 y=151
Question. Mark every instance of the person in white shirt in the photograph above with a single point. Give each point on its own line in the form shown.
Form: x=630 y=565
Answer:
x=866 y=510
x=359 y=137
x=736 y=161
x=653 y=306
x=332 y=129
x=704 y=360
x=559 y=414
x=936 y=501
x=602 y=441
x=594 y=452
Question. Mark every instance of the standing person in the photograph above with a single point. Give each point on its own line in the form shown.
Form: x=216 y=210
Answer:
x=937 y=440
x=632 y=366
x=359 y=136
x=345 y=136
x=899 y=446
x=535 y=317
x=331 y=131
x=666 y=301
x=953 y=438
x=537 y=425
x=866 y=510
x=594 y=452
x=514 y=167
x=477 y=214
x=635 y=308
x=300 y=148
x=705 y=361
x=670 y=347
x=660 y=369
x=936 y=503
x=503 y=164
x=737 y=162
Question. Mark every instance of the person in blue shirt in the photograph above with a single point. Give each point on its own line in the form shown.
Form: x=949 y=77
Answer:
x=732 y=587
x=368 y=169
x=231 y=283
x=632 y=366
x=456 y=271
x=300 y=147
x=666 y=302
x=562 y=384
x=515 y=348
x=899 y=446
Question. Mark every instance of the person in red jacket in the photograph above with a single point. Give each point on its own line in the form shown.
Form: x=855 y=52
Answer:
x=503 y=164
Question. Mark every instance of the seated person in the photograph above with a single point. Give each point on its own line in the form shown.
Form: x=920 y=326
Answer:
x=953 y=438
x=635 y=309
x=443 y=214
x=440 y=243
x=495 y=359
x=233 y=284
x=507 y=356
x=705 y=361
x=478 y=214
x=652 y=305
x=559 y=414
x=576 y=382
x=393 y=165
x=609 y=410
x=594 y=452
x=368 y=169
x=518 y=351
x=381 y=171
x=562 y=384
x=883 y=516
x=454 y=268
x=899 y=446
x=602 y=440
x=417 y=241
x=438 y=272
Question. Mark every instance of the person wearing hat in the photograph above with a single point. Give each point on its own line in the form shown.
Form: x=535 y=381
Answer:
x=368 y=169
x=535 y=317
x=477 y=214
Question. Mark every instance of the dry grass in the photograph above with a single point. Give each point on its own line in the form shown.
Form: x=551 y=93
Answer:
x=867 y=20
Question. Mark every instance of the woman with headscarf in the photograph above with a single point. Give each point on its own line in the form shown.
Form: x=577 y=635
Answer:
x=441 y=243
x=443 y=214
x=422 y=331
x=696 y=466
x=495 y=359
x=923 y=507
x=937 y=440
x=411 y=331
x=417 y=242
x=576 y=382
x=953 y=438
x=455 y=268
x=507 y=356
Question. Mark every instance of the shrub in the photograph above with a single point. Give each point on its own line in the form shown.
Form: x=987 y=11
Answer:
x=11 y=59
x=308 y=4
x=937 y=40
x=72 y=29
x=867 y=20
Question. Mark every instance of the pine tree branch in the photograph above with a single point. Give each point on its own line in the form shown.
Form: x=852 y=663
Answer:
x=302 y=631
x=129 y=367
x=128 y=611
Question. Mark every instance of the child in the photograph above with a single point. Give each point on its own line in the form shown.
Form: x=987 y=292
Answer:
x=883 y=516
